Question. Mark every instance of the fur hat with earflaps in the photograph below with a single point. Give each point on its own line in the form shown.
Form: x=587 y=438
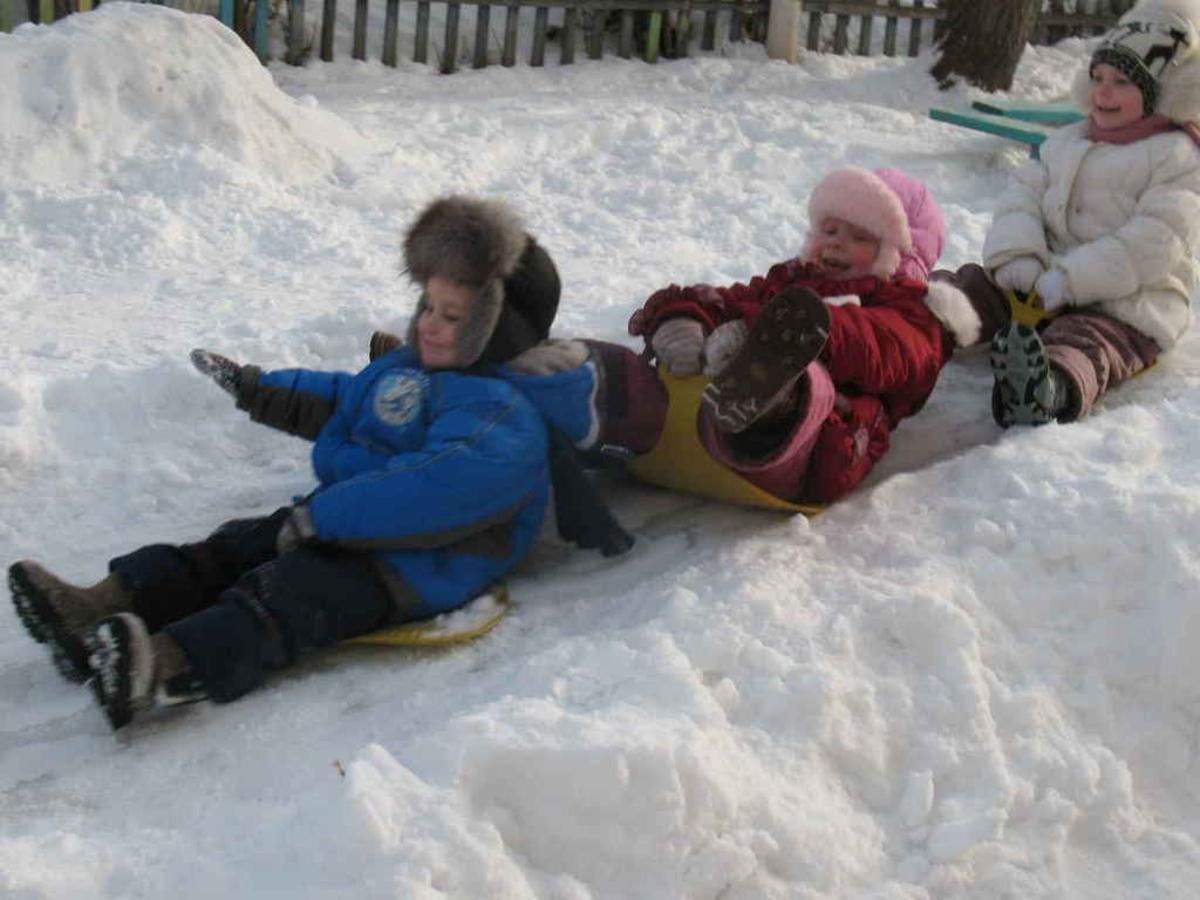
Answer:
x=483 y=244
x=1155 y=46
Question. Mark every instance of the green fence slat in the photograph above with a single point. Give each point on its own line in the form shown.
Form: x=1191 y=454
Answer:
x=653 y=34
x=261 y=44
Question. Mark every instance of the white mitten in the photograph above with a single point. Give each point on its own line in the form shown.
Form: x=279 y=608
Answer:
x=1053 y=290
x=1019 y=274
x=679 y=345
x=723 y=345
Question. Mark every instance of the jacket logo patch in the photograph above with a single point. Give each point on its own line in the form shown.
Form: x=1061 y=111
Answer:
x=398 y=397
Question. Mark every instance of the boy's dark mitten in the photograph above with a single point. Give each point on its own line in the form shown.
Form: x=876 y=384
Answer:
x=224 y=371
x=582 y=514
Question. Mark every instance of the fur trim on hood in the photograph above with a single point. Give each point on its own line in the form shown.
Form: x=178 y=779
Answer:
x=956 y=313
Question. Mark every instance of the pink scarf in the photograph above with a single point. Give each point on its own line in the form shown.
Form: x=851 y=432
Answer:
x=1145 y=127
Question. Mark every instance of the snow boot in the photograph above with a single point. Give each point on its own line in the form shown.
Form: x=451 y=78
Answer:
x=788 y=334
x=62 y=615
x=136 y=671
x=1026 y=390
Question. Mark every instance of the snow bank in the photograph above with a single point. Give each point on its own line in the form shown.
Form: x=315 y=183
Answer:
x=131 y=87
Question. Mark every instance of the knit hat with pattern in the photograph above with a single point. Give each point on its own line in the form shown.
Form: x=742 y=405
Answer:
x=1147 y=40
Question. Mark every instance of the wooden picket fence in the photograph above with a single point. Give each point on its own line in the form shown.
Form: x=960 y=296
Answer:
x=649 y=28
x=645 y=28
x=661 y=25
x=924 y=18
x=41 y=10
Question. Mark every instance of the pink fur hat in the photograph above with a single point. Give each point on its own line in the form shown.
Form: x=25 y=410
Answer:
x=862 y=198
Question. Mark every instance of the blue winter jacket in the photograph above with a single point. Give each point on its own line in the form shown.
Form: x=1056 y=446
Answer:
x=442 y=475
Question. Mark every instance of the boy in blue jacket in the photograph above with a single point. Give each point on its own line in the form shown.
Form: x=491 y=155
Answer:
x=433 y=482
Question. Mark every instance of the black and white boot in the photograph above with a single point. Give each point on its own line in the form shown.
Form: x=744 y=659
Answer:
x=788 y=334
x=1027 y=391
x=135 y=671
x=62 y=615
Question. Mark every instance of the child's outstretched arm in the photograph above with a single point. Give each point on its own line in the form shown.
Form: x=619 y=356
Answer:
x=297 y=401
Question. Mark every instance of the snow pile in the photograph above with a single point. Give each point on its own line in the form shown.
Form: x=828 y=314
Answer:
x=132 y=86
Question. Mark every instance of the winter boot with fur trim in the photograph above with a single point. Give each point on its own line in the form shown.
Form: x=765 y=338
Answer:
x=788 y=334
x=62 y=615
x=1027 y=391
x=136 y=671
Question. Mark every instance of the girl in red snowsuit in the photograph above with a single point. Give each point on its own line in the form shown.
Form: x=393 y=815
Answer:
x=814 y=363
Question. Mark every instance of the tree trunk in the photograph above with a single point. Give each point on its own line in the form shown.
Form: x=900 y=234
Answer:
x=983 y=42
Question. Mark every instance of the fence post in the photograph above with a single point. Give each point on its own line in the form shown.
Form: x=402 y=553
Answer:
x=359 y=48
x=295 y=32
x=328 y=15
x=261 y=46
x=391 y=22
x=653 y=34
x=783 y=30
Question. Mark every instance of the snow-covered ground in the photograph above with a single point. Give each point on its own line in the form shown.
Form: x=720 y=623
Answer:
x=976 y=677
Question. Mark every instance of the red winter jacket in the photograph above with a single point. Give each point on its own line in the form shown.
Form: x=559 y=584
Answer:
x=884 y=357
x=891 y=346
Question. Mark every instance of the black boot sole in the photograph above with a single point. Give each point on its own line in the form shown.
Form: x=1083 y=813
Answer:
x=46 y=626
x=788 y=334
x=110 y=659
x=1023 y=393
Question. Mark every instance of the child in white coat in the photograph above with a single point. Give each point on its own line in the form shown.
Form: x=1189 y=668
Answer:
x=1105 y=227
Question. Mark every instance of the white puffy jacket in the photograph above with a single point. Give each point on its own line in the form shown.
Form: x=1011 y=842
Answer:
x=1121 y=220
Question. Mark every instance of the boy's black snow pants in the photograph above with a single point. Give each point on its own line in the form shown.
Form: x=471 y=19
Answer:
x=237 y=608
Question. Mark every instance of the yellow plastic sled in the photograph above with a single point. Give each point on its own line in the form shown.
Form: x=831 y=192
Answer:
x=679 y=461
x=1026 y=311
x=466 y=623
